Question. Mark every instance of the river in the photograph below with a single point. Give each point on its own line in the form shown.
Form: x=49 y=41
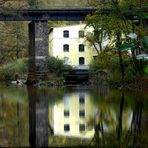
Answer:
x=72 y=116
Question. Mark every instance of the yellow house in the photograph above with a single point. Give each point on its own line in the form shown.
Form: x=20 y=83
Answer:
x=70 y=116
x=69 y=44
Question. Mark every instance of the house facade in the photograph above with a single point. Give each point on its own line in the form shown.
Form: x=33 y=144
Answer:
x=69 y=44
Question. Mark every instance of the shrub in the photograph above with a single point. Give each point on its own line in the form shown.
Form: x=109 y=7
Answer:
x=94 y=66
x=110 y=62
x=11 y=71
x=56 y=66
x=146 y=69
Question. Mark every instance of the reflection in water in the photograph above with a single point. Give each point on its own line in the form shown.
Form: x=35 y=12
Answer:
x=13 y=117
x=72 y=116
x=127 y=132
x=38 y=117
x=134 y=133
x=69 y=116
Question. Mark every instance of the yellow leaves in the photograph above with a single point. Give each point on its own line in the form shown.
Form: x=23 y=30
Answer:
x=92 y=2
x=13 y=4
x=13 y=36
x=140 y=30
x=132 y=4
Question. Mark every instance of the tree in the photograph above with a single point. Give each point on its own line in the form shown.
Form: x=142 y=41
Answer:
x=114 y=24
x=8 y=5
x=14 y=36
x=13 y=41
x=98 y=23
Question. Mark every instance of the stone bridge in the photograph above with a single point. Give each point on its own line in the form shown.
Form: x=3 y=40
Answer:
x=38 y=32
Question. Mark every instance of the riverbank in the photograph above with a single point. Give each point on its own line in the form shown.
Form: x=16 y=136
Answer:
x=101 y=78
x=141 y=84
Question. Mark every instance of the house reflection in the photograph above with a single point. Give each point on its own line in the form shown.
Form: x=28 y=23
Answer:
x=69 y=117
x=76 y=115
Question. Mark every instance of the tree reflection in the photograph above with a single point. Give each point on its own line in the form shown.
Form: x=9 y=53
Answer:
x=132 y=137
x=119 y=127
x=128 y=131
x=38 y=117
x=13 y=119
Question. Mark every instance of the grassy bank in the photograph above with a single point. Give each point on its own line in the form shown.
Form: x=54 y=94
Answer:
x=18 y=69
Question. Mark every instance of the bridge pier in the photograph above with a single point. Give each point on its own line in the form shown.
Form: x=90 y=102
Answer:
x=38 y=51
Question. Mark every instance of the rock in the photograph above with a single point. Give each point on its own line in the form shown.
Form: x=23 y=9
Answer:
x=19 y=82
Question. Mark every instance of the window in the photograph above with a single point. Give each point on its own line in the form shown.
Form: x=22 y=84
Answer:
x=66 y=34
x=66 y=113
x=65 y=60
x=81 y=34
x=66 y=100
x=82 y=99
x=82 y=113
x=81 y=48
x=95 y=57
x=66 y=127
x=82 y=127
x=66 y=48
x=81 y=61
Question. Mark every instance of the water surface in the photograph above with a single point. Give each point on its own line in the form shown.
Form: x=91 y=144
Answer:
x=72 y=116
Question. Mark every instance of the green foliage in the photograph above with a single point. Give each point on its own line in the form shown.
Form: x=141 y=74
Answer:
x=37 y=3
x=110 y=24
x=117 y=28
x=146 y=69
x=130 y=73
x=7 y=6
x=11 y=71
x=126 y=47
x=56 y=3
x=13 y=41
x=19 y=69
x=56 y=66
x=33 y=3
x=94 y=66
x=145 y=42
x=109 y=61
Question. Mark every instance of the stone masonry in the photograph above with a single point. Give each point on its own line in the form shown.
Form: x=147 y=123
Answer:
x=38 y=51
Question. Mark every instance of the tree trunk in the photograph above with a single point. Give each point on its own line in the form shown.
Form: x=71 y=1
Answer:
x=119 y=130
x=96 y=48
x=120 y=55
